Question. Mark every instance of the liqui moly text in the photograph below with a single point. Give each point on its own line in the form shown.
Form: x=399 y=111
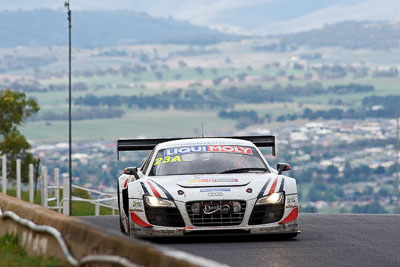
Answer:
x=211 y=148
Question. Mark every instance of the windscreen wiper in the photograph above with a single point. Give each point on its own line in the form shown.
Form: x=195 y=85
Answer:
x=239 y=170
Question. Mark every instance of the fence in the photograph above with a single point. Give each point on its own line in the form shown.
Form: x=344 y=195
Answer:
x=107 y=200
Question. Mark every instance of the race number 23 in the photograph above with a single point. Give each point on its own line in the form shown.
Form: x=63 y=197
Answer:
x=167 y=159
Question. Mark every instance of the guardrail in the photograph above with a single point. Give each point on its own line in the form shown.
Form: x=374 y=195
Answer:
x=41 y=231
x=61 y=204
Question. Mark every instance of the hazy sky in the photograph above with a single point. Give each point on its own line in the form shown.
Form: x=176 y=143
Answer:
x=255 y=16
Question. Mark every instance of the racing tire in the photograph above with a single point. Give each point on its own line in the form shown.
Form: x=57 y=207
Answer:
x=121 y=226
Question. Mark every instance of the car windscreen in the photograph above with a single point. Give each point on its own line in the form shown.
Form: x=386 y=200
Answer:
x=205 y=159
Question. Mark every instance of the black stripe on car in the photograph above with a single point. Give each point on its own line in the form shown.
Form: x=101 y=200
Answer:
x=146 y=192
x=282 y=184
x=263 y=189
x=164 y=190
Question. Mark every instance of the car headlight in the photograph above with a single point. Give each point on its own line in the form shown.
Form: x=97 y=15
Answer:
x=274 y=198
x=158 y=202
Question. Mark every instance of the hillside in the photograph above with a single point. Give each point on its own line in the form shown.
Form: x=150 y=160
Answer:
x=99 y=28
x=349 y=35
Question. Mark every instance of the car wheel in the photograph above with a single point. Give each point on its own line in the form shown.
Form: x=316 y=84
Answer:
x=121 y=226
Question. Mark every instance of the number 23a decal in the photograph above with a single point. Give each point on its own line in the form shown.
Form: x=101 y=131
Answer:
x=167 y=159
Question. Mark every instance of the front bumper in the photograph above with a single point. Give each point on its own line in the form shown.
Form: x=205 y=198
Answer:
x=245 y=227
x=274 y=228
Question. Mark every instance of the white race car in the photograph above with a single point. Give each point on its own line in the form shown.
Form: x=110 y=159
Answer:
x=206 y=186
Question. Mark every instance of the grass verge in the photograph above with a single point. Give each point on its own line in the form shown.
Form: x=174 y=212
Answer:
x=78 y=208
x=11 y=254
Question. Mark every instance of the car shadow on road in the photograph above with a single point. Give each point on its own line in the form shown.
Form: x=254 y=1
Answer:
x=222 y=239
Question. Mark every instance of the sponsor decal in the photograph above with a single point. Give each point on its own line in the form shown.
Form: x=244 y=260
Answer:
x=290 y=200
x=137 y=204
x=276 y=228
x=167 y=159
x=264 y=229
x=188 y=228
x=211 y=148
x=210 y=209
x=137 y=210
x=215 y=180
x=215 y=189
x=167 y=231
x=215 y=194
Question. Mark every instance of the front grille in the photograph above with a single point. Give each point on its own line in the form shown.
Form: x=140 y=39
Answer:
x=264 y=214
x=169 y=217
x=218 y=218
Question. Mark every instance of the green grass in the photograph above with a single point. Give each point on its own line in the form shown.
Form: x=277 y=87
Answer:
x=78 y=208
x=11 y=254
x=25 y=195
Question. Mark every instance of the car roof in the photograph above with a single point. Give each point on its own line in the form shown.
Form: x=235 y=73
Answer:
x=205 y=141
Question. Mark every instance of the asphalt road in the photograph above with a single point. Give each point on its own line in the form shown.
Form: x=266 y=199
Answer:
x=326 y=240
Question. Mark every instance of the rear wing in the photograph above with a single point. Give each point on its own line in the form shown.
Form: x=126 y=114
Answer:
x=149 y=144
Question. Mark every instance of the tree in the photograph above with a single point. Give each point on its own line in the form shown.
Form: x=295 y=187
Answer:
x=15 y=108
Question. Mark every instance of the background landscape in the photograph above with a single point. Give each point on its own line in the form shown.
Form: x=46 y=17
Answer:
x=328 y=88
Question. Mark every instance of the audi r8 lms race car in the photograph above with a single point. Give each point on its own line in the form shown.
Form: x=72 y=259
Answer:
x=206 y=186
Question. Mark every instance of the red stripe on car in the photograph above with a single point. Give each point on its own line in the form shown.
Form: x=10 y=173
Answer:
x=139 y=221
x=155 y=192
x=272 y=190
x=126 y=182
x=291 y=217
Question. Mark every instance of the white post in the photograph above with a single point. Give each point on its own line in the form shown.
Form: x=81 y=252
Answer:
x=18 y=171
x=113 y=205
x=66 y=196
x=4 y=170
x=97 y=209
x=45 y=187
x=57 y=183
x=31 y=183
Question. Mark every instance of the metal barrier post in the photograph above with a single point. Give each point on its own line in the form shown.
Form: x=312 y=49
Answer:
x=57 y=183
x=18 y=171
x=31 y=183
x=44 y=187
x=66 y=196
x=112 y=209
x=4 y=171
x=97 y=209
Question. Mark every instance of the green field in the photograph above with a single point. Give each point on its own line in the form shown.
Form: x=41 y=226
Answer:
x=152 y=123
x=230 y=60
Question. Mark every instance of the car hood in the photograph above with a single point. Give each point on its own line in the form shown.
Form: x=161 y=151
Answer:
x=194 y=186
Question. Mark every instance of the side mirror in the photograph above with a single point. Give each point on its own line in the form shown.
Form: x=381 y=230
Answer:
x=132 y=171
x=281 y=167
